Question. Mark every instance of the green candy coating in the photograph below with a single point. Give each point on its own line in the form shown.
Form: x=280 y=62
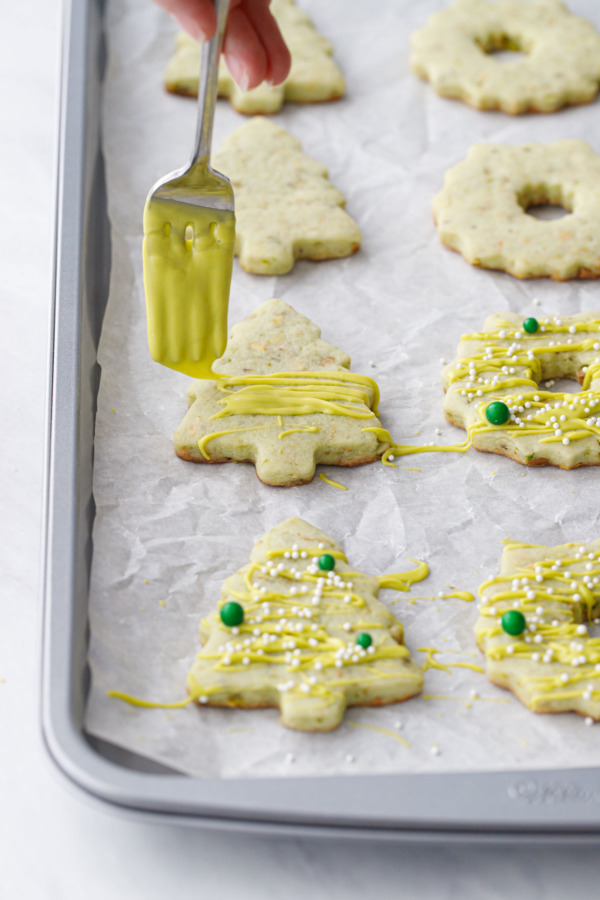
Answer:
x=497 y=413
x=531 y=325
x=364 y=640
x=513 y=622
x=232 y=614
x=326 y=562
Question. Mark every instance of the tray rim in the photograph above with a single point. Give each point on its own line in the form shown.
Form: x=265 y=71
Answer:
x=538 y=806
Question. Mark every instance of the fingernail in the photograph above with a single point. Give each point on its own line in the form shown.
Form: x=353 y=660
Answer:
x=239 y=74
x=191 y=26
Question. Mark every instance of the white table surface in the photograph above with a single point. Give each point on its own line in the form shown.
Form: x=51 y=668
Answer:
x=53 y=843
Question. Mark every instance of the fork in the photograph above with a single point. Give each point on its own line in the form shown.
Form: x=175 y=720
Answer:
x=189 y=236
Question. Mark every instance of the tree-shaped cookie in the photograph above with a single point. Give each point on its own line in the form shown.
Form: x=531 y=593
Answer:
x=313 y=77
x=285 y=206
x=283 y=399
x=298 y=628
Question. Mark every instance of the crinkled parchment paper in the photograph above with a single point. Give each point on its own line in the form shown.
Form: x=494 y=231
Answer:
x=168 y=532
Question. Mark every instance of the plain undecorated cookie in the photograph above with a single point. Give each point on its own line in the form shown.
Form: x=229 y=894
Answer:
x=481 y=209
x=313 y=78
x=454 y=51
x=285 y=206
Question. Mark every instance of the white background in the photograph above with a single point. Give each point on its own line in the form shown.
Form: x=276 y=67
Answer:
x=54 y=844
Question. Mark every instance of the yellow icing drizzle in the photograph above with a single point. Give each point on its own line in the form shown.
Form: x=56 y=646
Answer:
x=148 y=704
x=330 y=481
x=459 y=595
x=299 y=394
x=378 y=730
x=402 y=581
x=215 y=434
x=432 y=663
x=308 y=428
x=336 y=393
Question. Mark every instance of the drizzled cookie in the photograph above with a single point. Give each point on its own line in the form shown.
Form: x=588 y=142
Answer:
x=283 y=399
x=300 y=629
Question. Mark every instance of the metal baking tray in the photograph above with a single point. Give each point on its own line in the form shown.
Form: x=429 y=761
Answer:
x=534 y=806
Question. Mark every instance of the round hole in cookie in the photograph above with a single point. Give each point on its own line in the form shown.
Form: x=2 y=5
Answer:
x=561 y=386
x=547 y=212
x=503 y=47
x=544 y=202
x=505 y=56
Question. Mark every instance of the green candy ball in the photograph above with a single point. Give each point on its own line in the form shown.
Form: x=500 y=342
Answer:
x=513 y=622
x=232 y=614
x=364 y=640
x=326 y=562
x=531 y=325
x=497 y=413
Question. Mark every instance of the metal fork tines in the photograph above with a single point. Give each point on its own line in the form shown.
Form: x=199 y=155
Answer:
x=189 y=236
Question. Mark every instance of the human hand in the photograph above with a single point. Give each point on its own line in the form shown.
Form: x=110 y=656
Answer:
x=253 y=46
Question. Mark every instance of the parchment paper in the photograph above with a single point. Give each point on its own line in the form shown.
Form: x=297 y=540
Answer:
x=168 y=533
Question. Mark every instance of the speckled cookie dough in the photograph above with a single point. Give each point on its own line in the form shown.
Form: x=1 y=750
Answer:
x=285 y=206
x=481 y=209
x=454 y=51
x=532 y=626
x=298 y=628
x=314 y=76
x=284 y=399
x=492 y=389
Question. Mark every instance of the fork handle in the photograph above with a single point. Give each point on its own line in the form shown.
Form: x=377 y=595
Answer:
x=207 y=88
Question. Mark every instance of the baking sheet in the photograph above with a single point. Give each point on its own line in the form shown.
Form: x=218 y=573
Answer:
x=167 y=532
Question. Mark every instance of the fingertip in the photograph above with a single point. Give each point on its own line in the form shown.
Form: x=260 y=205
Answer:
x=245 y=55
x=279 y=65
x=268 y=34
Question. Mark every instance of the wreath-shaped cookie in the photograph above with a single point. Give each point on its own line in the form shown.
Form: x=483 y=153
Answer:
x=481 y=210
x=493 y=389
x=454 y=51
x=533 y=626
